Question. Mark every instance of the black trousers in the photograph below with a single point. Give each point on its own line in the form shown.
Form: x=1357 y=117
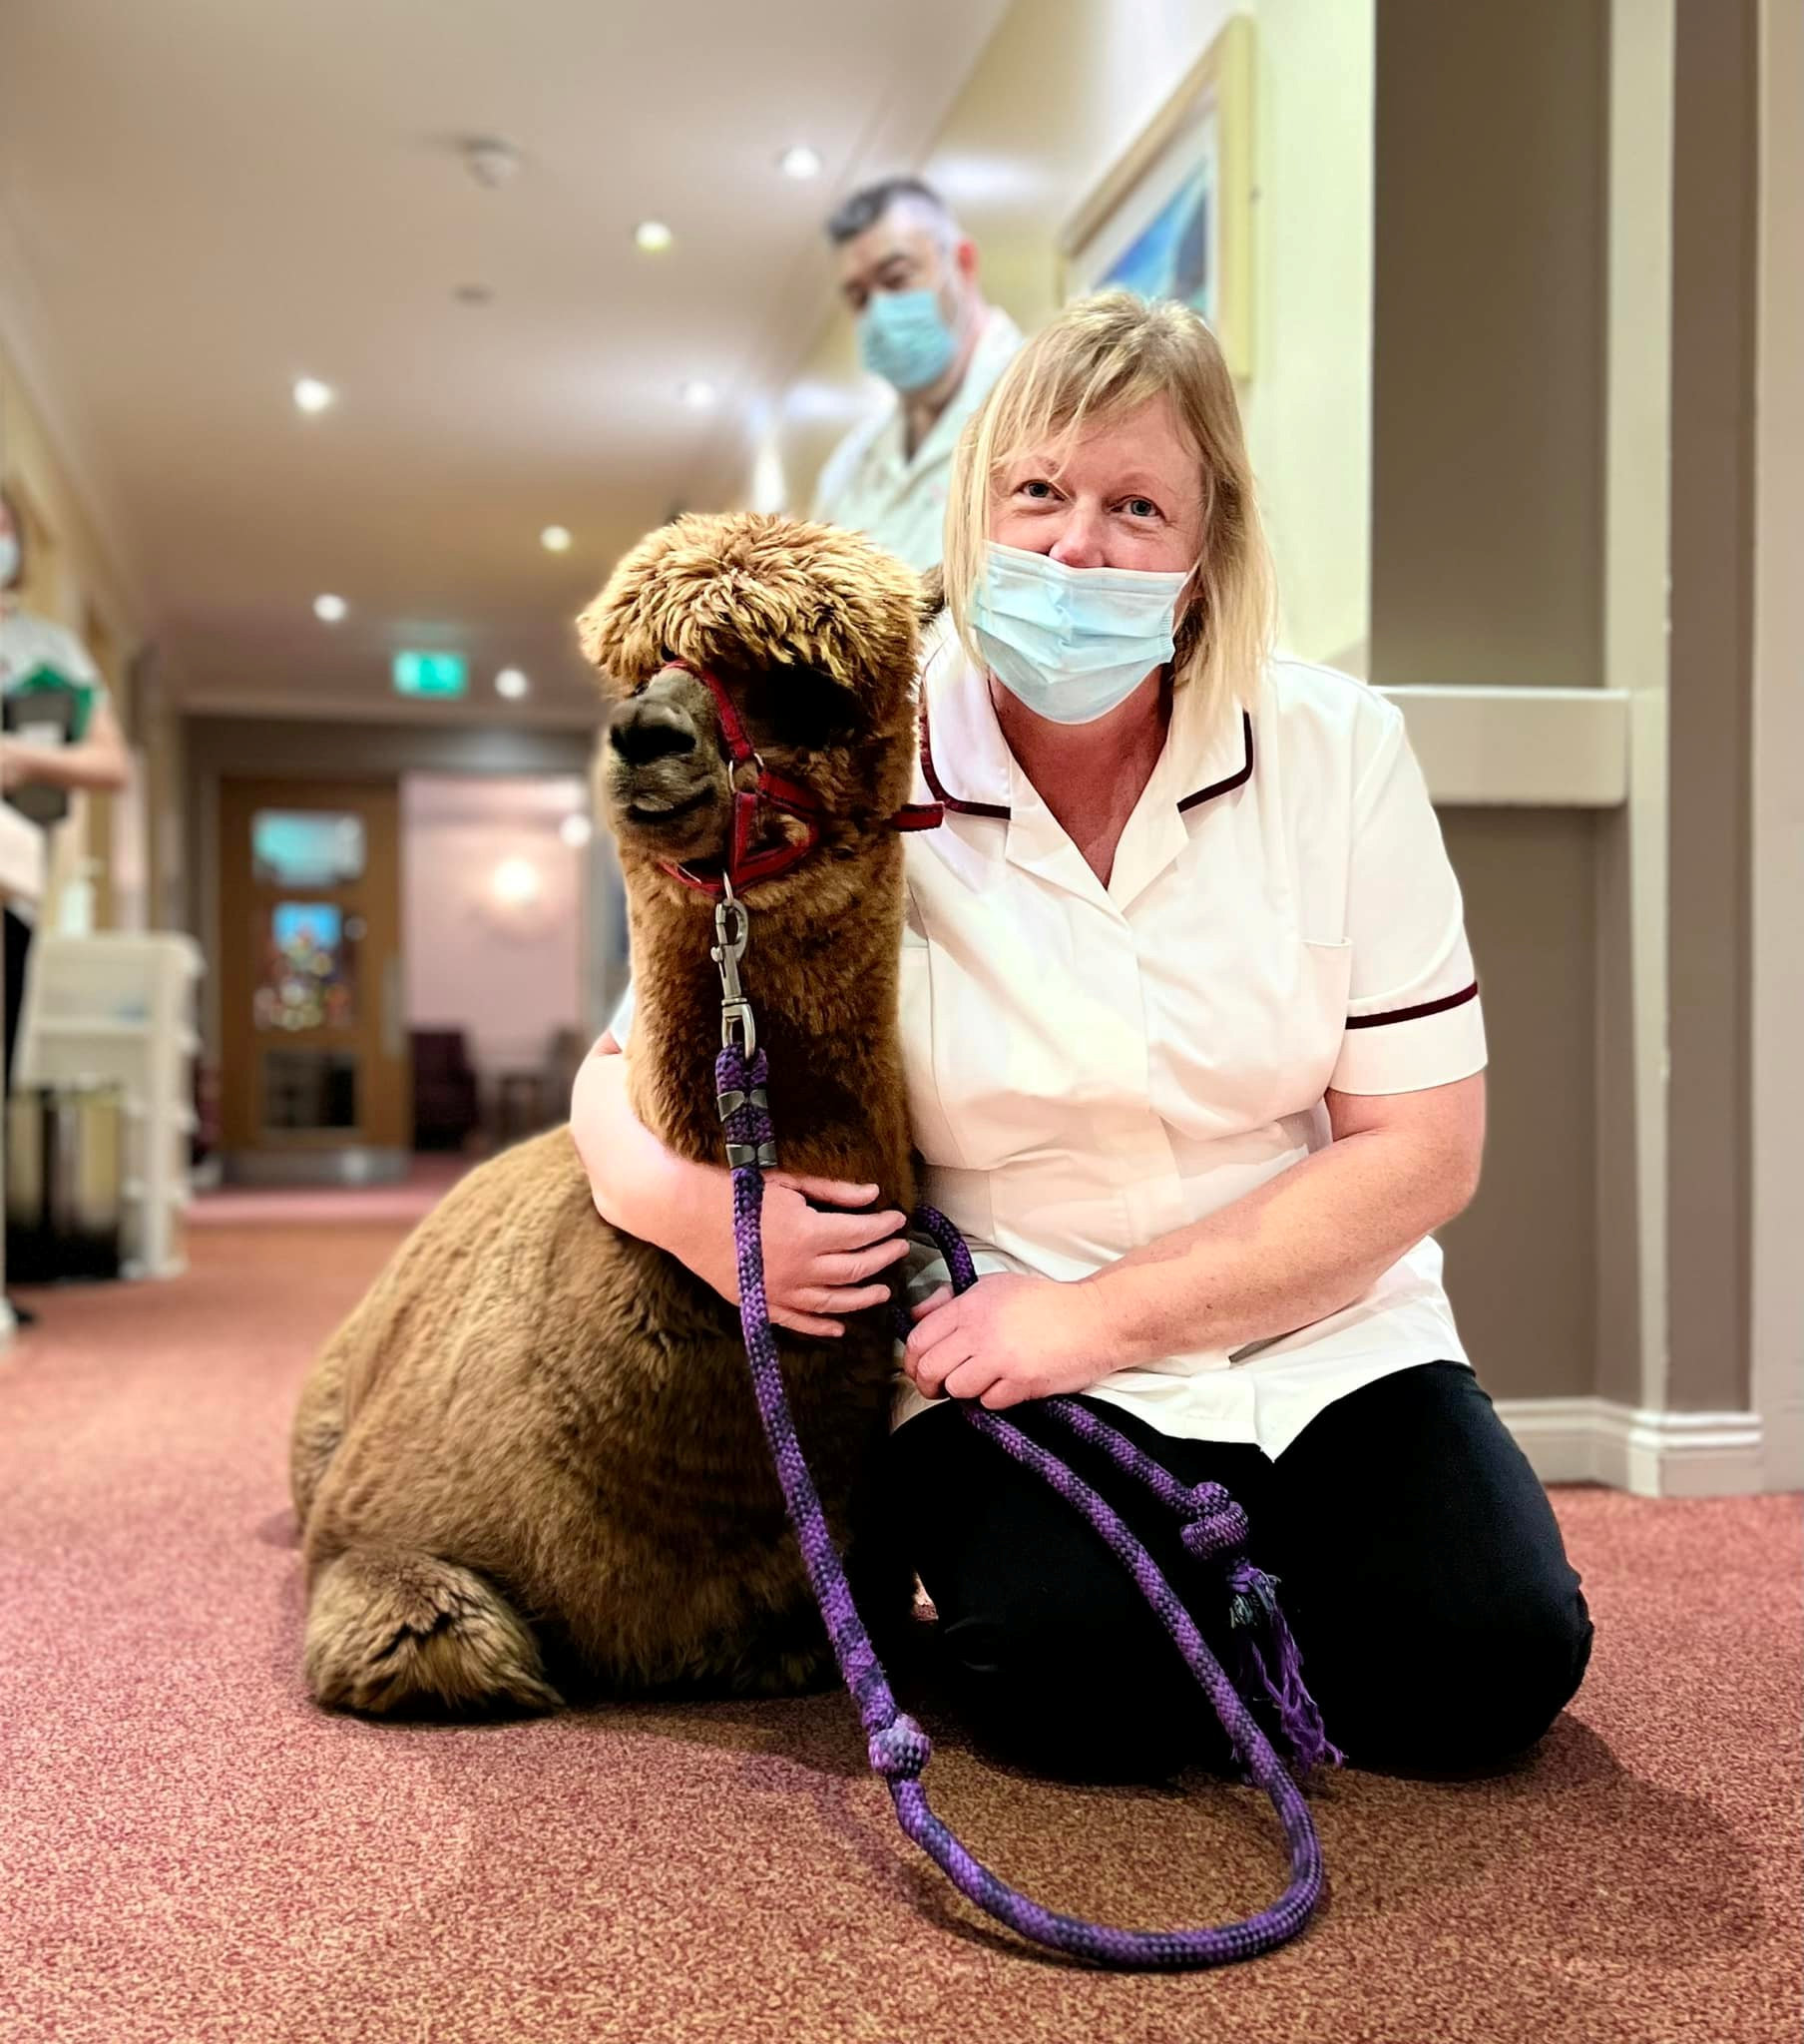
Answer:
x=18 y=942
x=1420 y=1569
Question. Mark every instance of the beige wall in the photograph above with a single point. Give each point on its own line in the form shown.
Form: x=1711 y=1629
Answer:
x=1489 y=300
x=1059 y=94
x=1521 y=1260
x=1715 y=186
x=1777 y=1330
x=1488 y=392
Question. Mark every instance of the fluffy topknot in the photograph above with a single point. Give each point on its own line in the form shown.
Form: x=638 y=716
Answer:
x=744 y=590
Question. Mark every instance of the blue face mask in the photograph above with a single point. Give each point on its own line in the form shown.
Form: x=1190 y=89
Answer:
x=1072 y=643
x=903 y=339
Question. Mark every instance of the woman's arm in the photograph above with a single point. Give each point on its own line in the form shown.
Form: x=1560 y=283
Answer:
x=1304 y=1245
x=818 y=1267
x=99 y=761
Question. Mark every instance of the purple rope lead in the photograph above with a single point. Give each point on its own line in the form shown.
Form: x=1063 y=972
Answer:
x=1214 y=1529
x=899 y=1749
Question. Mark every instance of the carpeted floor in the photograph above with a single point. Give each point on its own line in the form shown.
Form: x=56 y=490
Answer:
x=189 y=1852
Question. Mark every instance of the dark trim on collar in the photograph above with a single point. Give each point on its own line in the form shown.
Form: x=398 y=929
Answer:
x=1233 y=781
x=951 y=801
x=1003 y=814
x=1459 y=1000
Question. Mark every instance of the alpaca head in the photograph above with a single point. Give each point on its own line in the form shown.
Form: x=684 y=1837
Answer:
x=811 y=633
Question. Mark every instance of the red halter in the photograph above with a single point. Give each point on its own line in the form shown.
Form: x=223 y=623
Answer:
x=743 y=866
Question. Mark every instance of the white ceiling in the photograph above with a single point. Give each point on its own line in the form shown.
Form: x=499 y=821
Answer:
x=205 y=199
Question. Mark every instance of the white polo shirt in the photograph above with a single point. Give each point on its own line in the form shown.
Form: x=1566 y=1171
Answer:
x=1089 y=1068
x=871 y=484
x=28 y=643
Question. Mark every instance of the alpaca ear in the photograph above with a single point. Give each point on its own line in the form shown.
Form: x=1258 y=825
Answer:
x=931 y=599
x=591 y=632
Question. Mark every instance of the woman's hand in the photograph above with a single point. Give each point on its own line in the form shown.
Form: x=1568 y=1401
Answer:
x=1006 y=1340
x=819 y=1265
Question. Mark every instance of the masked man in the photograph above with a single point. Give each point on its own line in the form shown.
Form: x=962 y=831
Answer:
x=909 y=275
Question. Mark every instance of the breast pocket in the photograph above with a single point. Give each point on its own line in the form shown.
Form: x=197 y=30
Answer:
x=1253 y=1038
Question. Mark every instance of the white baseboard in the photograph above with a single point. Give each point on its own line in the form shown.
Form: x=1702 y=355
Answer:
x=1652 y=1455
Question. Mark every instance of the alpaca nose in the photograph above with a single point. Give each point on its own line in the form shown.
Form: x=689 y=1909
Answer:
x=643 y=732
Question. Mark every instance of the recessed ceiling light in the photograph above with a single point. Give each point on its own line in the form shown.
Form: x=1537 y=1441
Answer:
x=329 y=610
x=555 y=539
x=312 y=395
x=697 y=393
x=653 y=237
x=511 y=684
x=490 y=161
x=575 y=831
x=799 y=161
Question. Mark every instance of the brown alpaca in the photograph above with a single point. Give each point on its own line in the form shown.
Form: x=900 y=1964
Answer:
x=531 y=1460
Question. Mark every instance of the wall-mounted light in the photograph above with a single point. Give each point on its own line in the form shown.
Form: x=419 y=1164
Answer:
x=515 y=881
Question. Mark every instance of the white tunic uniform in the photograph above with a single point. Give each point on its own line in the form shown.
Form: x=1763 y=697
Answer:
x=27 y=643
x=871 y=484
x=1089 y=1068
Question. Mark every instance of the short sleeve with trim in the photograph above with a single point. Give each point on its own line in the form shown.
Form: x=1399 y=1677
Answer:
x=1413 y=1017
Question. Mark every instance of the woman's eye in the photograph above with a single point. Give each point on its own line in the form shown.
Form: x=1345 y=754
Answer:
x=1141 y=507
x=1038 y=491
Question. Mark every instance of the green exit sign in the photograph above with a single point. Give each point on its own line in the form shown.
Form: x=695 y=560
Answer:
x=430 y=674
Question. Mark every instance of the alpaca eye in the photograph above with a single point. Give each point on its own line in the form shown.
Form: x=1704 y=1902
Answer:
x=795 y=706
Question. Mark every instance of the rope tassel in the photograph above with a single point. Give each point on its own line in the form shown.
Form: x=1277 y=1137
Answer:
x=1256 y=1604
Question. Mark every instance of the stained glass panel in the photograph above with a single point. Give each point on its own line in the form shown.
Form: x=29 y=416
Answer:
x=307 y=978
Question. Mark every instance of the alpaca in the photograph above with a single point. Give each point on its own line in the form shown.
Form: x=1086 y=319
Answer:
x=530 y=1460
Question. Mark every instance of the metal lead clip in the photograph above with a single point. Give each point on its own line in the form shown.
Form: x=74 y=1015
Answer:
x=732 y=931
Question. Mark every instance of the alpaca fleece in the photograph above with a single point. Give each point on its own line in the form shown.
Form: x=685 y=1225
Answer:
x=530 y=1461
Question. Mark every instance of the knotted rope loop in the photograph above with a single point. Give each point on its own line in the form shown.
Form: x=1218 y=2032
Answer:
x=1215 y=1525
x=901 y=1749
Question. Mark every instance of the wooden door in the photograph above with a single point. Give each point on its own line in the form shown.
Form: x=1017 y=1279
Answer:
x=313 y=1057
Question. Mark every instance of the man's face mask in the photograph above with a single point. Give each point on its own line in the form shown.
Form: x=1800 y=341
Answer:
x=903 y=337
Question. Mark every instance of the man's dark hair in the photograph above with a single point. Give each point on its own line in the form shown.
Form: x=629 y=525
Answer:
x=867 y=207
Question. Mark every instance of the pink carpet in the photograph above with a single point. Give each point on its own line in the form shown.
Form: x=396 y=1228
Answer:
x=189 y=1852
x=403 y=1204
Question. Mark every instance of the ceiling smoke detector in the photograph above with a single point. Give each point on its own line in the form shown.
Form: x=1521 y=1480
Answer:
x=490 y=161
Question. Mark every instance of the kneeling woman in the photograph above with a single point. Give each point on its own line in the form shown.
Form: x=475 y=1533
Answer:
x=1195 y=1056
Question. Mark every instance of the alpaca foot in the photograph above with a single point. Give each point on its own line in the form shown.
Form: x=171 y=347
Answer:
x=391 y=1632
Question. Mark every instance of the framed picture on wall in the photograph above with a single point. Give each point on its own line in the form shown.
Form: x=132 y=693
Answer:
x=1173 y=219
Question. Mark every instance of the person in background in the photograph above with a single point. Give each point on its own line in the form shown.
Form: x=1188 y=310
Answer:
x=910 y=277
x=37 y=655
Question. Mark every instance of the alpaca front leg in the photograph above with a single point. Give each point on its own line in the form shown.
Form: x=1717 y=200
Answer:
x=391 y=1632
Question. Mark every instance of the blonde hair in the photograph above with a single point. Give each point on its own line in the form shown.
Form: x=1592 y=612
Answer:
x=1100 y=358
